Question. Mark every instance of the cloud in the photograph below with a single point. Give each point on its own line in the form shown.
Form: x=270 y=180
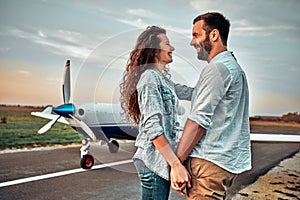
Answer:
x=138 y=23
x=4 y=49
x=66 y=49
x=142 y=24
x=41 y=34
x=261 y=30
x=204 y=6
x=24 y=70
x=61 y=42
x=142 y=13
x=25 y=73
x=105 y=11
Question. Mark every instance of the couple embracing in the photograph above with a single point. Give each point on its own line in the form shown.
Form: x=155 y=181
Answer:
x=202 y=161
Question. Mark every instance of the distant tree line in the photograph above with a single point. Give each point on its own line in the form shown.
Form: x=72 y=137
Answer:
x=289 y=117
x=21 y=106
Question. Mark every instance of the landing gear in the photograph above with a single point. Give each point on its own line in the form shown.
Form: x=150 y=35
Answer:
x=87 y=162
x=113 y=146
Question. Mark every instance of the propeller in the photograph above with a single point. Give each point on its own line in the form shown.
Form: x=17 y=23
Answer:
x=67 y=109
x=66 y=86
x=85 y=128
x=48 y=125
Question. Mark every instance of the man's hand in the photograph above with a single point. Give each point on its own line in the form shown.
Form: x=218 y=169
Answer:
x=180 y=177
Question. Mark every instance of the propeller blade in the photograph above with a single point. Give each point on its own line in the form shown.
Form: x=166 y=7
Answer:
x=85 y=128
x=66 y=85
x=48 y=125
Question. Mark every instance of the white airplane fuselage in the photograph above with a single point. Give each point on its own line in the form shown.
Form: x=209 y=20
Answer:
x=106 y=117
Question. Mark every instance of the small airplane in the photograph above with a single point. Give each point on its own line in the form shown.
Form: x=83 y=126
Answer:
x=93 y=121
x=103 y=121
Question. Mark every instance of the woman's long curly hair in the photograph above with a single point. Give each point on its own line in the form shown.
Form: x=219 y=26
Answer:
x=141 y=58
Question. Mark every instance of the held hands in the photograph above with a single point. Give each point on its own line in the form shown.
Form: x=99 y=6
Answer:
x=180 y=177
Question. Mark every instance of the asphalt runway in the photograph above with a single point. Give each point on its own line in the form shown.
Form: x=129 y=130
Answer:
x=33 y=174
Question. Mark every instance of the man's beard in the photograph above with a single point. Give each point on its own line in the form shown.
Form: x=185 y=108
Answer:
x=203 y=55
x=205 y=49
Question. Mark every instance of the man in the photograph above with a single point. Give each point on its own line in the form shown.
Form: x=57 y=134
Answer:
x=216 y=136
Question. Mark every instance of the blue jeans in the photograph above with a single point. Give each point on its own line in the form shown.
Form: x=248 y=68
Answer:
x=153 y=186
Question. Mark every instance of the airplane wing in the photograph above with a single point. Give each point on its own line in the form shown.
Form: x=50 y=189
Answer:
x=46 y=113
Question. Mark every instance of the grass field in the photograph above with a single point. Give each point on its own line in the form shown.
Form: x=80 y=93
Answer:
x=20 y=129
x=274 y=127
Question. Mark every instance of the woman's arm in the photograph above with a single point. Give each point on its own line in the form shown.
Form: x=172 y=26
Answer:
x=180 y=176
x=183 y=92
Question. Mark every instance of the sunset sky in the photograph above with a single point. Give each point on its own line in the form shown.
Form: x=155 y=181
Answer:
x=38 y=36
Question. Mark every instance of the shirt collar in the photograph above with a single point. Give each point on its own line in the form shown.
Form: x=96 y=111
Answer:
x=220 y=55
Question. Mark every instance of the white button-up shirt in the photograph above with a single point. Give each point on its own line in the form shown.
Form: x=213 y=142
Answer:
x=220 y=104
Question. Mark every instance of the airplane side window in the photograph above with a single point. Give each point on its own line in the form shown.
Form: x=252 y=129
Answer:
x=81 y=111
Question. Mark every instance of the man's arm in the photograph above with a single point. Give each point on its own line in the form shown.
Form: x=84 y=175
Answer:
x=192 y=133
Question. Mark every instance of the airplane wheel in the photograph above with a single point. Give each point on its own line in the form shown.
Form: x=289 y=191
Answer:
x=87 y=161
x=113 y=146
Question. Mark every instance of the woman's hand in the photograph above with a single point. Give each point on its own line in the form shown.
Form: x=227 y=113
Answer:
x=180 y=177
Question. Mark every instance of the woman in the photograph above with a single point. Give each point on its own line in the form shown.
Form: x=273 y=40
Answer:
x=149 y=99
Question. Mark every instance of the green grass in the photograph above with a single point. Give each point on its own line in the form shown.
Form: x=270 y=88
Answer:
x=20 y=130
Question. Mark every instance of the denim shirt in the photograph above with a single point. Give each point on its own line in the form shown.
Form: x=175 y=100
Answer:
x=158 y=105
x=220 y=104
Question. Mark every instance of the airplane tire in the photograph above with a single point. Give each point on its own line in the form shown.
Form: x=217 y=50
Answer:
x=87 y=161
x=113 y=146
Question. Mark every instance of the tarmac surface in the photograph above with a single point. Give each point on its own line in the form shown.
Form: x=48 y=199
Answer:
x=54 y=173
x=281 y=182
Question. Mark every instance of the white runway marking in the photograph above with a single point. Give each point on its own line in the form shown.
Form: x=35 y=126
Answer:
x=63 y=173
x=274 y=138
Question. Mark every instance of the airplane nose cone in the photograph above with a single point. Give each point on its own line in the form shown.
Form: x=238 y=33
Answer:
x=64 y=110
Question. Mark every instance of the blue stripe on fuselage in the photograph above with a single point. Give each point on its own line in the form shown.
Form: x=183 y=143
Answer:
x=117 y=132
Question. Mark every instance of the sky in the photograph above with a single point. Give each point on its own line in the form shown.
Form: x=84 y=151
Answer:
x=38 y=36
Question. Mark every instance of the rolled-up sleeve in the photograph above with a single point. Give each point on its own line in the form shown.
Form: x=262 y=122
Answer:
x=151 y=107
x=209 y=91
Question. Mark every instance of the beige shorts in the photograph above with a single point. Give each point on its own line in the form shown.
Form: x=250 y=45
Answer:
x=209 y=181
